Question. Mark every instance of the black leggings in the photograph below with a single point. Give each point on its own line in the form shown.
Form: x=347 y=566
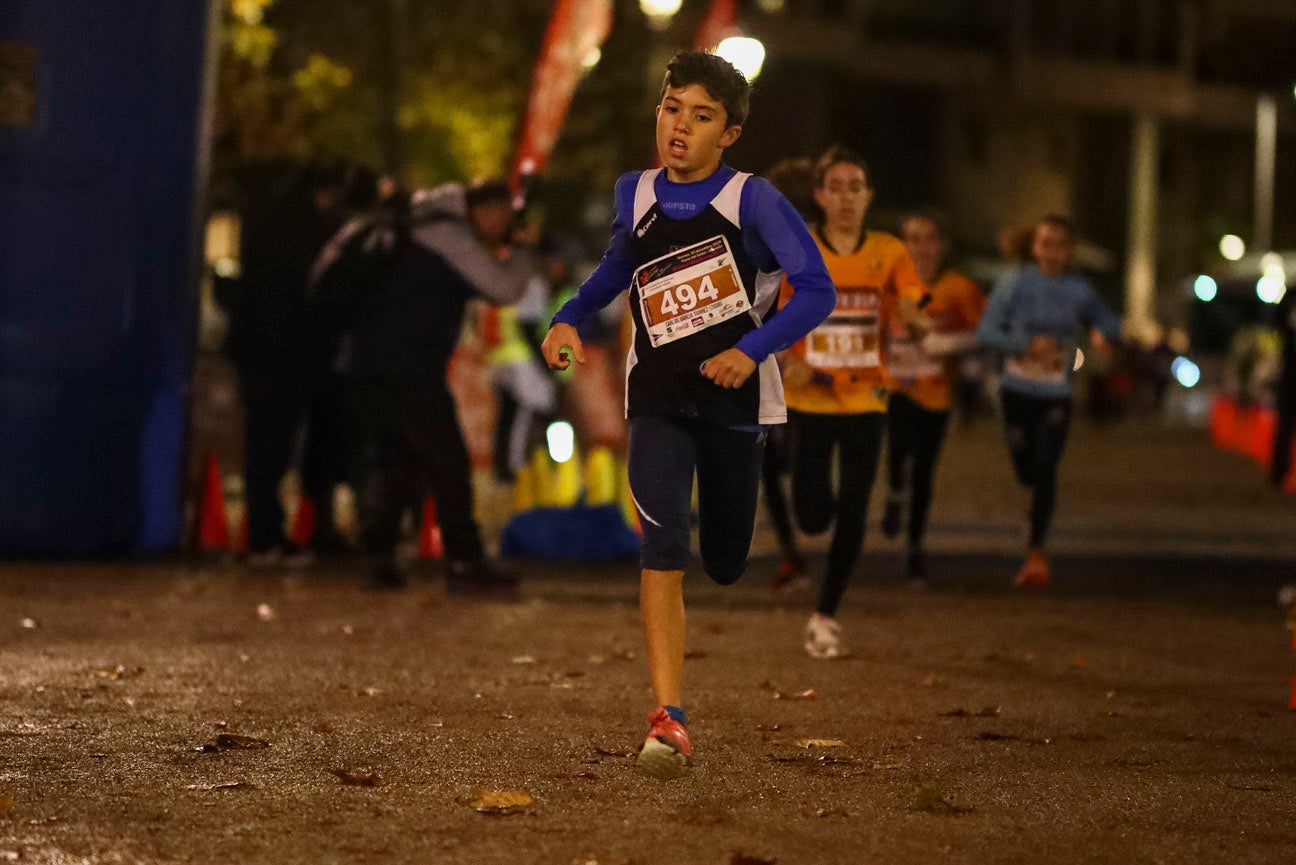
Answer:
x=857 y=439
x=914 y=439
x=1036 y=429
x=776 y=504
x=665 y=453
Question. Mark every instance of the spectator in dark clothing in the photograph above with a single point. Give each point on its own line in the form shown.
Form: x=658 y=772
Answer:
x=1285 y=397
x=280 y=353
x=398 y=353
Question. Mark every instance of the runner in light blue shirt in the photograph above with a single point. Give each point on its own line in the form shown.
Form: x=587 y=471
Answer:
x=1037 y=317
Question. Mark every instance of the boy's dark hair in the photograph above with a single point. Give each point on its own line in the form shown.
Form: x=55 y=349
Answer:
x=723 y=82
x=1057 y=220
x=932 y=215
x=836 y=154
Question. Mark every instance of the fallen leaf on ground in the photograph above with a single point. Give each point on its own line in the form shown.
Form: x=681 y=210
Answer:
x=771 y=728
x=606 y=752
x=820 y=743
x=119 y=672
x=6 y=804
x=358 y=779
x=991 y=736
x=928 y=680
x=807 y=694
x=1079 y=663
x=231 y=742
x=226 y=785
x=933 y=801
x=987 y=712
x=30 y=624
x=780 y=694
x=265 y=612
x=694 y=655
x=830 y=812
x=744 y=859
x=523 y=659
x=503 y=801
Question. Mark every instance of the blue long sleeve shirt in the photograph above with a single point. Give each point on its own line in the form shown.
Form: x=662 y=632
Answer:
x=1024 y=304
x=773 y=235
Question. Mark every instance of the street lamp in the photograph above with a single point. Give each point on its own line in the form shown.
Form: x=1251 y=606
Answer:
x=1232 y=247
x=746 y=54
x=660 y=12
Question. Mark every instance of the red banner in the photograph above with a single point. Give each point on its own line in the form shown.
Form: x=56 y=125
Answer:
x=721 y=20
x=575 y=32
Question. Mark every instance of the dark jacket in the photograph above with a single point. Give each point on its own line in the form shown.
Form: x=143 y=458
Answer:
x=408 y=328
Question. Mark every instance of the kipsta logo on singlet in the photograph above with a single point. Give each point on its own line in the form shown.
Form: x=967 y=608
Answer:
x=643 y=229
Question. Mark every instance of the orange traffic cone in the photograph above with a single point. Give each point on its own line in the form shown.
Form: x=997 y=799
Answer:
x=303 y=523
x=213 y=530
x=430 y=546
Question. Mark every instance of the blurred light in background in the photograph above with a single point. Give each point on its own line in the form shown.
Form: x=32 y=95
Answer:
x=745 y=53
x=1272 y=265
x=1205 y=288
x=1079 y=360
x=1270 y=289
x=777 y=6
x=1185 y=371
x=592 y=58
x=660 y=12
x=1232 y=247
x=1273 y=284
x=562 y=441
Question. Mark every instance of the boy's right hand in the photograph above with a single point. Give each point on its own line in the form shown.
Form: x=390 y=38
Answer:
x=560 y=338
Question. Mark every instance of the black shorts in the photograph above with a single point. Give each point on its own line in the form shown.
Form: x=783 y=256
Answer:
x=665 y=454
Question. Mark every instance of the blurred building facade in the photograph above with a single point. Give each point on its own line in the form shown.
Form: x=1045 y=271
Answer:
x=1137 y=117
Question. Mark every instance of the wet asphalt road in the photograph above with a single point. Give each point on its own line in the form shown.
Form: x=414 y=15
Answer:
x=1136 y=711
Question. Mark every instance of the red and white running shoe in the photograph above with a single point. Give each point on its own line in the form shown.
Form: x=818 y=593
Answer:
x=666 y=753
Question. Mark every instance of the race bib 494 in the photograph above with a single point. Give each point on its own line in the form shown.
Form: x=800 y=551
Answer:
x=689 y=290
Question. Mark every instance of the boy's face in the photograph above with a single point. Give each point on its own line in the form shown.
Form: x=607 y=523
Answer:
x=926 y=246
x=692 y=132
x=844 y=196
x=1052 y=248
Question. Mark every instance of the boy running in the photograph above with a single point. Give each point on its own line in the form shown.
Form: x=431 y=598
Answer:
x=1036 y=317
x=700 y=247
x=918 y=411
x=837 y=383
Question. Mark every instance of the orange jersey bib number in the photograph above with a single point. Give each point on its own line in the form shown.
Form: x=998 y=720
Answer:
x=689 y=290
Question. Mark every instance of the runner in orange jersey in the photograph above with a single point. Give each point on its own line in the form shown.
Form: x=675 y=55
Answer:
x=836 y=382
x=922 y=371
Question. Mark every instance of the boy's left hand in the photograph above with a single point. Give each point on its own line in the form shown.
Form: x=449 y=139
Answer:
x=729 y=368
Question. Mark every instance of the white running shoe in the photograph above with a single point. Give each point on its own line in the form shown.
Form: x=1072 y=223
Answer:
x=823 y=638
